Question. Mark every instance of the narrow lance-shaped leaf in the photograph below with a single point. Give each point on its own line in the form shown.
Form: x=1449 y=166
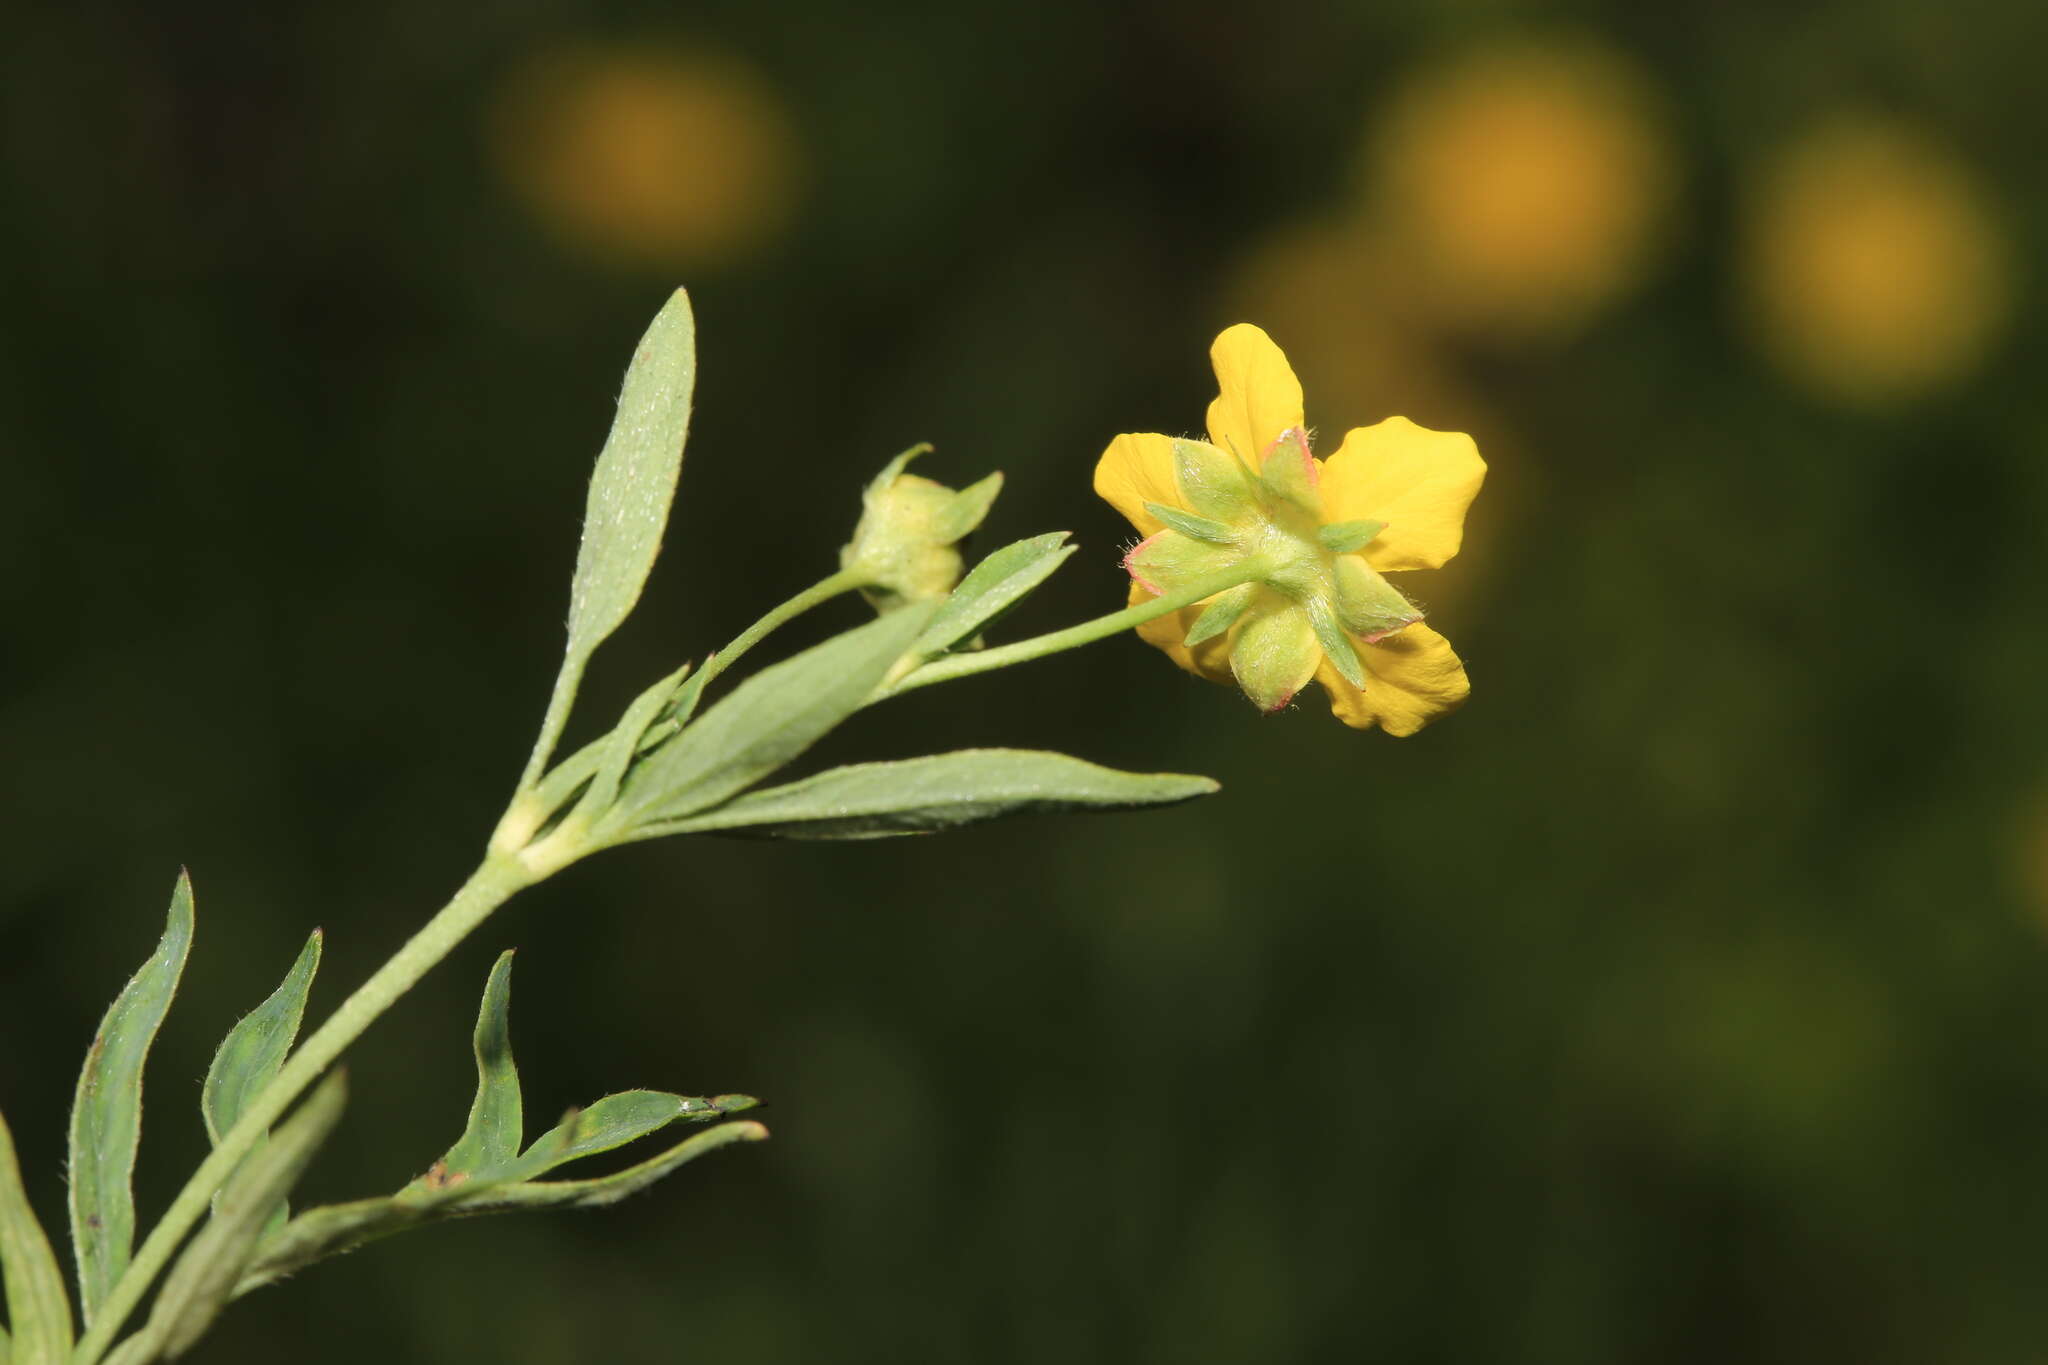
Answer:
x=492 y=1135
x=256 y=1046
x=767 y=720
x=36 y=1306
x=871 y=800
x=623 y=745
x=992 y=587
x=204 y=1278
x=106 y=1118
x=635 y=479
x=611 y=1122
x=254 y=1050
x=336 y=1228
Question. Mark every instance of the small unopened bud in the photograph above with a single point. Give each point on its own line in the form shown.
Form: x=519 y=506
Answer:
x=906 y=546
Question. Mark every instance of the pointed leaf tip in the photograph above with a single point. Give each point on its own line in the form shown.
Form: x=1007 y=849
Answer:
x=496 y=1119
x=106 y=1116
x=256 y=1047
x=942 y=791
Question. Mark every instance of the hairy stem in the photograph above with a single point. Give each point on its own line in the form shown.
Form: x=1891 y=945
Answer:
x=824 y=590
x=951 y=666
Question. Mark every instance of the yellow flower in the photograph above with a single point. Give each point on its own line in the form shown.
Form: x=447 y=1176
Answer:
x=1313 y=536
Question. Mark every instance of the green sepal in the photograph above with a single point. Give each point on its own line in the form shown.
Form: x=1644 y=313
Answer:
x=1213 y=483
x=991 y=588
x=882 y=482
x=106 y=1118
x=492 y=1135
x=1169 y=559
x=969 y=506
x=1288 y=472
x=1275 y=654
x=1337 y=647
x=766 y=721
x=942 y=791
x=634 y=481
x=1367 y=605
x=1188 y=524
x=1349 y=537
x=37 y=1308
x=1221 y=614
x=203 y=1279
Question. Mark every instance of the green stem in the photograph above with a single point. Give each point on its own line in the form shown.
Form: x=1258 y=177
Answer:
x=566 y=684
x=824 y=590
x=952 y=666
x=491 y=885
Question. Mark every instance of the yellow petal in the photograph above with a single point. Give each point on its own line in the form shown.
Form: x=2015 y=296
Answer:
x=1135 y=470
x=1258 y=396
x=1410 y=679
x=1419 y=482
x=1210 y=659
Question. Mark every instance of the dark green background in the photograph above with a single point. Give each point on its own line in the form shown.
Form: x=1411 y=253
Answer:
x=1680 y=1000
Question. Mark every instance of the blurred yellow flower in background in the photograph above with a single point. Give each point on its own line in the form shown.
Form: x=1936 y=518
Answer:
x=1875 y=268
x=1526 y=185
x=648 y=157
x=1308 y=540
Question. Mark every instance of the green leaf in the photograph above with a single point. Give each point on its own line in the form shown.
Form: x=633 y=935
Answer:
x=635 y=479
x=1188 y=524
x=106 y=1118
x=917 y=795
x=336 y=1228
x=568 y=782
x=611 y=1122
x=768 y=720
x=253 y=1051
x=1346 y=537
x=605 y=1189
x=625 y=742
x=36 y=1306
x=991 y=588
x=202 y=1281
x=492 y=1135
x=256 y=1047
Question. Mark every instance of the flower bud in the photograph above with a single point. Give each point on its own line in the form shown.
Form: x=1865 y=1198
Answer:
x=905 y=548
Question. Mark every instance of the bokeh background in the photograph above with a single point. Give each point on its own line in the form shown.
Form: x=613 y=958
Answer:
x=1685 y=998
